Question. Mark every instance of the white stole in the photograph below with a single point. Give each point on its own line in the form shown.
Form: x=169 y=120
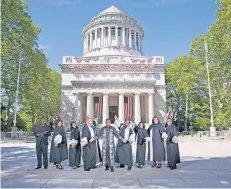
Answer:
x=126 y=133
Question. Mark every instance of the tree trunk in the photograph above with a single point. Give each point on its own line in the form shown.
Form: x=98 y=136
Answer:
x=178 y=112
x=186 y=114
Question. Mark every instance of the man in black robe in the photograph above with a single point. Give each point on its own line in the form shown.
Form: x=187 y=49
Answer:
x=91 y=150
x=173 y=154
x=124 y=148
x=42 y=132
x=156 y=152
x=107 y=133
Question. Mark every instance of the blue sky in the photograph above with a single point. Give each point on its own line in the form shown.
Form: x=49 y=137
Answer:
x=169 y=25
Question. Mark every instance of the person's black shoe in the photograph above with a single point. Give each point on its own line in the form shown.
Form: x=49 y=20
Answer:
x=168 y=166
x=112 y=169
x=138 y=166
x=173 y=167
x=106 y=168
x=78 y=166
x=129 y=168
x=158 y=165
x=38 y=167
x=121 y=166
x=94 y=167
x=45 y=167
x=86 y=169
x=154 y=164
x=74 y=167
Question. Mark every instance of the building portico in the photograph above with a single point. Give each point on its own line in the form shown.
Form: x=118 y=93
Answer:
x=116 y=100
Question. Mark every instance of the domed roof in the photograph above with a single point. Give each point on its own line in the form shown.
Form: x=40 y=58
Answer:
x=112 y=9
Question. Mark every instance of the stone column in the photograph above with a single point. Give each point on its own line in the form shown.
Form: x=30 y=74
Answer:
x=116 y=35
x=150 y=106
x=86 y=40
x=84 y=45
x=77 y=107
x=124 y=41
x=90 y=40
x=135 y=40
x=130 y=38
x=121 y=107
x=109 y=36
x=90 y=106
x=137 y=108
x=105 y=108
x=138 y=48
x=95 y=38
x=102 y=38
x=141 y=43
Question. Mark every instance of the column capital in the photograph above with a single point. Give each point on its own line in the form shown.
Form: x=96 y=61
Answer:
x=121 y=93
x=105 y=93
x=137 y=93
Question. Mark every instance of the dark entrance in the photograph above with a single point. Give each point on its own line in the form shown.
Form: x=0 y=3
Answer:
x=112 y=111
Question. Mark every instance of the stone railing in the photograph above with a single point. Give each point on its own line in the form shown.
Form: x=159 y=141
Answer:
x=224 y=133
x=29 y=137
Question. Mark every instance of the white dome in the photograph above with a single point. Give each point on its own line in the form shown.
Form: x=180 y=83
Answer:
x=112 y=9
x=113 y=30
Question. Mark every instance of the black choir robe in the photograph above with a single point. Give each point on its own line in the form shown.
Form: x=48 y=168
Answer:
x=75 y=153
x=91 y=152
x=106 y=134
x=124 y=150
x=59 y=153
x=156 y=150
x=141 y=136
x=173 y=154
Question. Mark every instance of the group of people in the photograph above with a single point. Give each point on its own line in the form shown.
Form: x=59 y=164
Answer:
x=112 y=144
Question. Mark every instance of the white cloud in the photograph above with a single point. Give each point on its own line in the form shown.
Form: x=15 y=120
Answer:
x=44 y=47
x=61 y=2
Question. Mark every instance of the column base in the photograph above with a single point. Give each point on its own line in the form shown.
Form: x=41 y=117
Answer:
x=14 y=132
x=213 y=132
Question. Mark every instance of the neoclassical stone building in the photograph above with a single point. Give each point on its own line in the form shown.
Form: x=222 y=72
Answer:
x=113 y=76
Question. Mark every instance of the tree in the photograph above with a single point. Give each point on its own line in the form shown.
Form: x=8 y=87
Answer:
x=39 y=90
x=218 y=39
x=183 y=76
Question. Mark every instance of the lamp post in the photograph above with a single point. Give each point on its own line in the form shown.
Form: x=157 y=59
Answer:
x=212 y=128
x=17 y=90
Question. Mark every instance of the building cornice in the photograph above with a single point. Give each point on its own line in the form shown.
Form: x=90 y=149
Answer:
x=110 y=67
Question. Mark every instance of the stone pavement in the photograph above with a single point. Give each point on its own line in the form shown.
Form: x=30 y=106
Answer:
x=205 y=164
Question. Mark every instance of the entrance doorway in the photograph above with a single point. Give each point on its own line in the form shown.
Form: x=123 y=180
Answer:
x=112 y=111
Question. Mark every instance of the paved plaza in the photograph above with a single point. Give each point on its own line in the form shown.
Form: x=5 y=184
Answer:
x=205 y=164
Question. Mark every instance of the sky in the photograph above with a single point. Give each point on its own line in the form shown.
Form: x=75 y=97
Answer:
x=169 y=25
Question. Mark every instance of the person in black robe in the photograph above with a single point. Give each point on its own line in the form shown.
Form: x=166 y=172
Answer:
x=75 y=147
x=42 y=132
x=173 y=154
x=156 y=152
x=107 y=134
x=59 y=151
x=124 y=148
x=90 y=143
x=141 y=137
